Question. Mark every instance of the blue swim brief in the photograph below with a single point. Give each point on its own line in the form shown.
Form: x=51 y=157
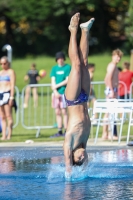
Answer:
x=83 y=97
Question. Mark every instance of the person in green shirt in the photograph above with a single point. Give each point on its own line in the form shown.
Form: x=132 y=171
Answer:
x=59 y=77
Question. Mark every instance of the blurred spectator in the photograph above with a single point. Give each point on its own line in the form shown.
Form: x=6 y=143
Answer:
x=33 y=77
x=111 y=82
x=125 y=76
x=59 y=77
x=7 y=88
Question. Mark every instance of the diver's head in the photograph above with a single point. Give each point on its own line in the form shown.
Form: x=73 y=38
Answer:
x=79 y=156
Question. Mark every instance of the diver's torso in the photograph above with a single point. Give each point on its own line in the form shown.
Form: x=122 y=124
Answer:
x=78 y=125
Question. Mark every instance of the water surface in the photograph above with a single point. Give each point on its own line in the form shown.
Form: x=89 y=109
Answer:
x=37 y=173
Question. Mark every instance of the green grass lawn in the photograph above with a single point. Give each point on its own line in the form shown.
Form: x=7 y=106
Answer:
x=21 y=67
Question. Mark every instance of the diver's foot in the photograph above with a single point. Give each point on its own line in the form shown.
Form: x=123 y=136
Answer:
x=87 y=25
x=74 y=22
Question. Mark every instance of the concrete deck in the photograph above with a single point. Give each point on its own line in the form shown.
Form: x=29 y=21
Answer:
x=100 y=143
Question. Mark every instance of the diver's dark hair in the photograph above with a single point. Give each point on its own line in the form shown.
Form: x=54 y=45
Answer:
x=79 y=163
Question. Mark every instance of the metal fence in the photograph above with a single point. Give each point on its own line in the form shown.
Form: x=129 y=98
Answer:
x=43 y=115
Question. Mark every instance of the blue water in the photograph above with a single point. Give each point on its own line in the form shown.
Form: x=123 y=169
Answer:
x=38 y=174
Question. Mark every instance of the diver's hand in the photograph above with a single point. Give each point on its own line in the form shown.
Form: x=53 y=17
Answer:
x=68 y=173
x=68 y=176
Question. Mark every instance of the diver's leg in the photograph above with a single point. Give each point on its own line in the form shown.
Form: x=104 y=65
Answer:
x=83 y=52
x=74 y=81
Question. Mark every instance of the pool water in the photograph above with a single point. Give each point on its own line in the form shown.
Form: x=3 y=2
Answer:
x=38 y=174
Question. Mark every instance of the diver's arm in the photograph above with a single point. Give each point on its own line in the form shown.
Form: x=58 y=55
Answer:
x=68 y=157
x=68 y=162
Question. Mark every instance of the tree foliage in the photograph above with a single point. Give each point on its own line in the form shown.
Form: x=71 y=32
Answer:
x=129 y=24
x=38 y=27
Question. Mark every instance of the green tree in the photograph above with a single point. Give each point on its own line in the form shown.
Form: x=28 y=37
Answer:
x=42 y=25
x=39 y=27
x=129 y=24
